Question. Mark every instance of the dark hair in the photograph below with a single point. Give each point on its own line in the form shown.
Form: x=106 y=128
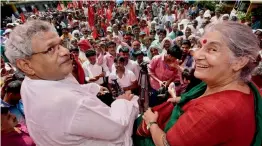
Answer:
x=137 y=53
x=90 y=53
x=4 y=110
x=135 y=27
x=119 y=58
x=186 y=42
x=111 y=43
x=19 y=75
x=124 y=50
x=187 y=74
x=73 y=49
x=175 y=51
x=161 y=31
x=13 y=87
x=152 y=31
x=128 y=33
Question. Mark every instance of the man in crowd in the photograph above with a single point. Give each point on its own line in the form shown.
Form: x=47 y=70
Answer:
x=129 y=64
x=110 y=55
x=125 y=78
x=73 y=115
x=175 y=33
x=93 y=71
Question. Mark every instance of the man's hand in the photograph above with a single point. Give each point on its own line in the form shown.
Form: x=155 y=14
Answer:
x=94 y=79
x=102 y=74
x=162 y=83
x=103 y=90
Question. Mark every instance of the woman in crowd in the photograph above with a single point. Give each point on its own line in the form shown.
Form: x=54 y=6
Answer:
x=225 y=109
x=12 y=133
x=179 y=40
x=162 y=73
x=153 y=51
x=166 y=44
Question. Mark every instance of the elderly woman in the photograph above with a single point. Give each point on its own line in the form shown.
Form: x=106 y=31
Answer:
x=166 y=44
x=153 y=51
x=193 y=40
x=76 y=34
x=179 y=40
x=225 y=109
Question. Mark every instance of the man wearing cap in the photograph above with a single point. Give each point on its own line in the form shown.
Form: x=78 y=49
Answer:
x=116 y=32
x=136 y=31
x=6 y=34
x=217 y=16
x=200 y=18
x=109 y=33
x=58 y=110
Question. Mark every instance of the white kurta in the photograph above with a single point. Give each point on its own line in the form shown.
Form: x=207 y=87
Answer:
x=64 y=113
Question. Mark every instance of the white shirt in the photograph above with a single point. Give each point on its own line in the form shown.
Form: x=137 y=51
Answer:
x=200 y=21
x=170 y=18
x=63 y=112
x=92 y=71
x=132 y=66
x=127 y=79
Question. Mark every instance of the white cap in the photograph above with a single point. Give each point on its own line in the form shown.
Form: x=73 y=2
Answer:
x=7 y=31
x=207 y=15
x=109 y=29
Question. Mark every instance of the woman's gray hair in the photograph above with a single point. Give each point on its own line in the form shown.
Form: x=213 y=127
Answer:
x=19 y=44
x=163 y=42
x=153 y=46
x=241 y=41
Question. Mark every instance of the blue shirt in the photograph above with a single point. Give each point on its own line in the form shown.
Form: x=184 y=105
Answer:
x=17 y=110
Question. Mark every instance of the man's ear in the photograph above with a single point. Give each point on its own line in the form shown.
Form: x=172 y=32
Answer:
x=240 y=63
x=25 y=66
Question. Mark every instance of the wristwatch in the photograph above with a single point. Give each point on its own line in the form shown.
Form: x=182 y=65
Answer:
x=150 y=124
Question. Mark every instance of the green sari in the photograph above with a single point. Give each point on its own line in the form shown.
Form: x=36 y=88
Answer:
x=194 y=93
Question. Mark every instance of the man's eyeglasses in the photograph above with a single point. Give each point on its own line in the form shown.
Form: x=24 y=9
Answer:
x=44 y=52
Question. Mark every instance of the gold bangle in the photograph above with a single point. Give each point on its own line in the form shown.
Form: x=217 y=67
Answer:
x=165 y=140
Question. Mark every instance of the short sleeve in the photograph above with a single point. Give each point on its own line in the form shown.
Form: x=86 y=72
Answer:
x=132 y=76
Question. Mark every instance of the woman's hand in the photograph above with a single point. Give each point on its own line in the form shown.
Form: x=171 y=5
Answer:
x=171 y=90
x=150 y=116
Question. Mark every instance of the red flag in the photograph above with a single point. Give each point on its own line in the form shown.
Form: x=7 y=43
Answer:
x=22 y=17
x=79 y=71
x=108 y=14
x=59 y=8
x=132 y=15
x=95 y=33
x=91 y=16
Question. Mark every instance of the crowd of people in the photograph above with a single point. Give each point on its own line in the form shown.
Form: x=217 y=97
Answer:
x=136 y=73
